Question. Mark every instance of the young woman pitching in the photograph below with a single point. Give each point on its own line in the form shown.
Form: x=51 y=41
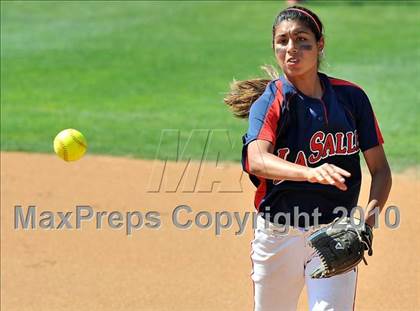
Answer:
x=306 y=132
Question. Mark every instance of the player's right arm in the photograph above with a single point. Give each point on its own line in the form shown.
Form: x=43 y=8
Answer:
x=257 y=154
x=263 y=163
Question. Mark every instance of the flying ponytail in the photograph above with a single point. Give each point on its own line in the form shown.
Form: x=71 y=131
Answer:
x=244 y=93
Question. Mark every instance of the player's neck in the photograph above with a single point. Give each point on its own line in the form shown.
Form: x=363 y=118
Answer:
x=309 y=84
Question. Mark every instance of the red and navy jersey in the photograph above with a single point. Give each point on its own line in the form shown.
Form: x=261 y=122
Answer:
x=310 y=131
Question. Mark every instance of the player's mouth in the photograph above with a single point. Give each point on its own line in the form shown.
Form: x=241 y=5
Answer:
x=292 y=61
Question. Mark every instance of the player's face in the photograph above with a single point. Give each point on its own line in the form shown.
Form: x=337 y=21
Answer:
x=296 y=48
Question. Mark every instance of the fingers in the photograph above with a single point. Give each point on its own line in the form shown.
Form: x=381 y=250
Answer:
x=329 y=174
x=338 y=180
x=326 y=174
x=334 y=173
x=340 y=170
x=372 y=204
x=319 y=178
x=370 y=210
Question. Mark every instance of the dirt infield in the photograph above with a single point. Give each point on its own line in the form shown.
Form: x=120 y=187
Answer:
x=166 y=268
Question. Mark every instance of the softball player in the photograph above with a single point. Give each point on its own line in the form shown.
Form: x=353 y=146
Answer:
x=301 y=150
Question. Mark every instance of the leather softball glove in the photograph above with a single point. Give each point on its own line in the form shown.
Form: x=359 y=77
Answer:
x=341 y=246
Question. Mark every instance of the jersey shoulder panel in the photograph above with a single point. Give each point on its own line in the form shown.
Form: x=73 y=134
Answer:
x=341 y=82
x=265 y=113
x=267 y=98
x=346 y=87
x=351 y=93
x=367 y=126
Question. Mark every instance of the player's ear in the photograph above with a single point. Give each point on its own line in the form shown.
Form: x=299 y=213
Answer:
x=320 y=45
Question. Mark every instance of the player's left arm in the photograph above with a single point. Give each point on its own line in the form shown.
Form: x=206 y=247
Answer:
x=381 y=180
x=370 y=142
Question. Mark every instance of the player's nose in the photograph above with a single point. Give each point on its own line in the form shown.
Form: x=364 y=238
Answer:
x=291 y=46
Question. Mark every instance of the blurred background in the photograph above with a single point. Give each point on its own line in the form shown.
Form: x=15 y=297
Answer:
x=120 y=72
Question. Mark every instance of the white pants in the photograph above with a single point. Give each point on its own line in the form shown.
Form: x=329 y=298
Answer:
x=282 y=264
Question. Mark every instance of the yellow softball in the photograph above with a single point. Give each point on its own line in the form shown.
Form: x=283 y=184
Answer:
x=70 y=145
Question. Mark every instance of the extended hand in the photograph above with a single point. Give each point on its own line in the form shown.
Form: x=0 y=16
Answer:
x=328 y=174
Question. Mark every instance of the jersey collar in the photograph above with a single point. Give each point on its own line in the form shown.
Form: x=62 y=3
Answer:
x=289 y=89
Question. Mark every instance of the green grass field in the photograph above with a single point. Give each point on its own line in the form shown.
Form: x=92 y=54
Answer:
x=122 y=72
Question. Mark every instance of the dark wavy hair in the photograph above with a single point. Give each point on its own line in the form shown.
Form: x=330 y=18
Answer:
x=244 y=93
